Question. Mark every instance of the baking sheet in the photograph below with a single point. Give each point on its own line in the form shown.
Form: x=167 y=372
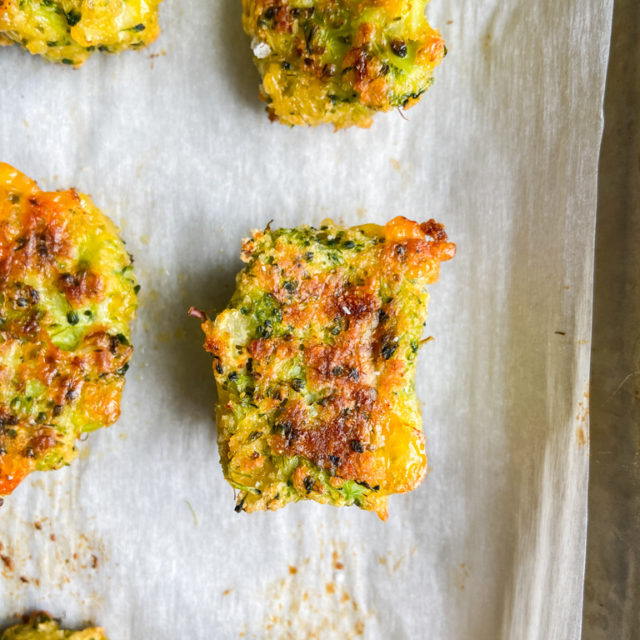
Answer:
x=139 y=535
x=612 y=585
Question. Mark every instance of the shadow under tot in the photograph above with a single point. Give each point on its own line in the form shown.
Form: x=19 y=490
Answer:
x=187 y=378
x=238 y=59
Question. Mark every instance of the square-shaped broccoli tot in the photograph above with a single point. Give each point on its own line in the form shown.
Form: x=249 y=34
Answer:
x=341 y=61
x=69 y=31
x=314 y=360
x=41 y=626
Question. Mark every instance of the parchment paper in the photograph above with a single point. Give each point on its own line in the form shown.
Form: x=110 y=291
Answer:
x=139 y=535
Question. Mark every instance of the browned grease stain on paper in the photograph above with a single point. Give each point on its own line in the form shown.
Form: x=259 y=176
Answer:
x=460 y=575
x=486 y=47
x=582 y=417
x=314 y=599
x=48 y=559
x=310 y=602
x=582 y=438
x=153 y=56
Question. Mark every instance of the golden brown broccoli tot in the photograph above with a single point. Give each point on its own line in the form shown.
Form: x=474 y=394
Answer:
x=314 y=360
x=41 y=626
x=67 y=296
x=341 y=61
x=69 y=31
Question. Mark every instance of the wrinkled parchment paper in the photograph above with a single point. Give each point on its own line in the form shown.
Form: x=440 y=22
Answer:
x=139 y=535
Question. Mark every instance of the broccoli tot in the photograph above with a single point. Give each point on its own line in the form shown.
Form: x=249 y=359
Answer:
x=314 y=360
x=69 y=31
x=41 y=626
x=67 y=296
x=341 y=61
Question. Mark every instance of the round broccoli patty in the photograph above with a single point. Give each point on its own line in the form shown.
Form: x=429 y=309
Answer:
x=41 y=626
x=68 y=31
x=67 y=296
x=341 y=61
